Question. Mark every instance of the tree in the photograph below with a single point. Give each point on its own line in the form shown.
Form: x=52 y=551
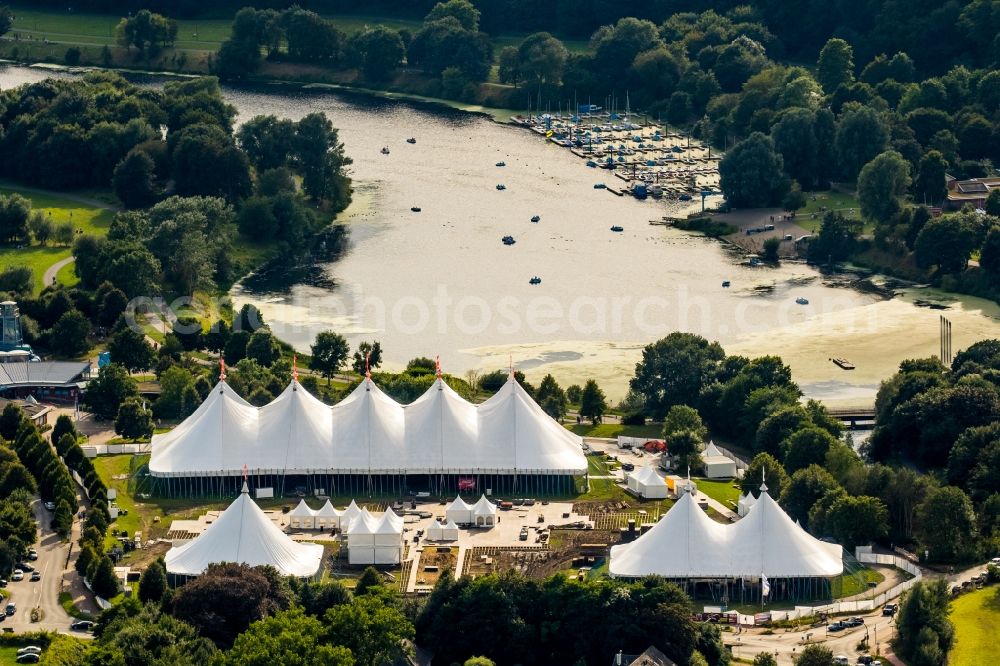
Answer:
x=771 y=248
x=41 y=227
x=18 y=280
x=924 y=633
x=288 y=637
x=946 y=242
x=153 y=583
x=321 y=159
x=592 y=402
x=263 y=348
x=372 y=629
x=129 y=349
x=765 y=659
x=992 y=206
x=329 y=353
x=929 y=186
x=541 y=59
x=134 y=180
x=774 y=475
x=804 y=489
x=462 y=10
x=14 y=213
x=806 y=447
x=751 y=174
x=946 y=525
x=855 y=521
x=134 y=421
x=228 y=598
x=104 y=581
x=673 y=370
x=310 y=36
x=367 y=357
x=814 y=655
x=682 y=418
x=861 y=135
x=6 y=19
x=376 y=51
x=508 y=65
x=138 y=635
x=836 y=65
x=10 y=421
x=108 y=390
x=111 y=306
x=69 y=334
x=551 y=397
x=267 y=141
x=881 y=184
x=146 y=29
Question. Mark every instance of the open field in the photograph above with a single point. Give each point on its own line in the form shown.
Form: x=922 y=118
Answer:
x=205 y=34
x=612 y=430
x=86 y=219
x=721 y=491
x=976 y=616
x=819 y=203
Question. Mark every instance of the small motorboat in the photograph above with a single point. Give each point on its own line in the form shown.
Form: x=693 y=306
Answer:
x=501 y=187
x=725 y=284
x=617 y=228
x=802 y=301
x=536 y=218
x=508 y=240
x=385 y=150
x=535 y=280
x=411 y=140
x=843 y=363
x=501 y=164
x=415 y=209
x=600 y=186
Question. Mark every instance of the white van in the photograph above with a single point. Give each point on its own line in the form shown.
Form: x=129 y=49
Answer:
x=841 y=660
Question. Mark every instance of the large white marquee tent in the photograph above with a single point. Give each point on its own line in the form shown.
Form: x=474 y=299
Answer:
x=244 y=534
x=688 y=545
x=367 y=434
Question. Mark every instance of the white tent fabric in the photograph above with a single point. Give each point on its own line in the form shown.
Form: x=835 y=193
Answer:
x=717 y=464
x=686 y=543
x=372 y=540
x=484 y=512
x=242 y=533
x=645 y=482
x=302 y=517
x=327 y=517
x=460 y=511
x=368 y=432
x=350 y=513
x=443 y=531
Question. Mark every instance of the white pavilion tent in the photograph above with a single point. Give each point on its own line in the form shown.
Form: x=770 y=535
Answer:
x=366 y=433
x=717 y=464
x=460 y=512
x=745 y=503
x=687 y=544
x=443 y=531
x=372 y=540
x=645 y=482
x=484 y=512
x=327 y=517
x=302 y=517
x=244 y=534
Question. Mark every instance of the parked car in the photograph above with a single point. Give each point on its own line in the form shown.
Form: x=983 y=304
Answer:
x=889 y=610
x=32 y=554
x=854 y=621
x=82 y=625
x=3 y=582
x=24 y=566
x=17 y=575
x=836 y=626
x=11 y=608
x=29 y=658
x=34 y=649
x=995 y=561
x=628 y=467
x=50 y=506
x=36 y=576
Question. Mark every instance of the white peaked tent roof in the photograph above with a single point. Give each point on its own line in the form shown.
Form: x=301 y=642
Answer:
x=712 y=451
x=242 y=533
x=368 y=432
x=484 y=507
x=302 y=510
x=647 y=476
x=686 y=543
x=327 y=511
x=361 y=524
x=450 y=525
x=749 y=501
x=350 y=513
x=223 y=428
x=389 y=523
x=459 y=504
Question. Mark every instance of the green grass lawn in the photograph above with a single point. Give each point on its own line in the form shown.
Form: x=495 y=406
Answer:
x=976 y=616
x=8 y=655
x=612 y=430
x=721 y=491
x=849 y=584
x=819 y=203
x=88 y=219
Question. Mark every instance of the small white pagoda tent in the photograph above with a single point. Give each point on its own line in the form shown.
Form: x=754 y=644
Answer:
x=484 y=512
x=443 y=531
x=717 y=464
x=645 y=482
x=327 y=517
x=302 y=517
x=745 y=503
x=244 y=534
x=460 y=512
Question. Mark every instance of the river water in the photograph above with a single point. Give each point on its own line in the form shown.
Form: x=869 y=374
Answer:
x=440 y=282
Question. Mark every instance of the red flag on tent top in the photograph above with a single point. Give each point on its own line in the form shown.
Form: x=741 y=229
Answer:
x=368 y=371
x=437 y=366
x=222 y=369
x=295 y=367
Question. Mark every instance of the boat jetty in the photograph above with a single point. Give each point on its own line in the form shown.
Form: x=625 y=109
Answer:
x=648 y=160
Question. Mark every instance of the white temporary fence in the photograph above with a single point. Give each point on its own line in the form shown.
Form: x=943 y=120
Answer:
x=864 y=555
x=94 y=450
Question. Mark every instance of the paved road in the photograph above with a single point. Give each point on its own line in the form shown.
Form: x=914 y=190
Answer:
x=50 y=273
x=52 y=554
